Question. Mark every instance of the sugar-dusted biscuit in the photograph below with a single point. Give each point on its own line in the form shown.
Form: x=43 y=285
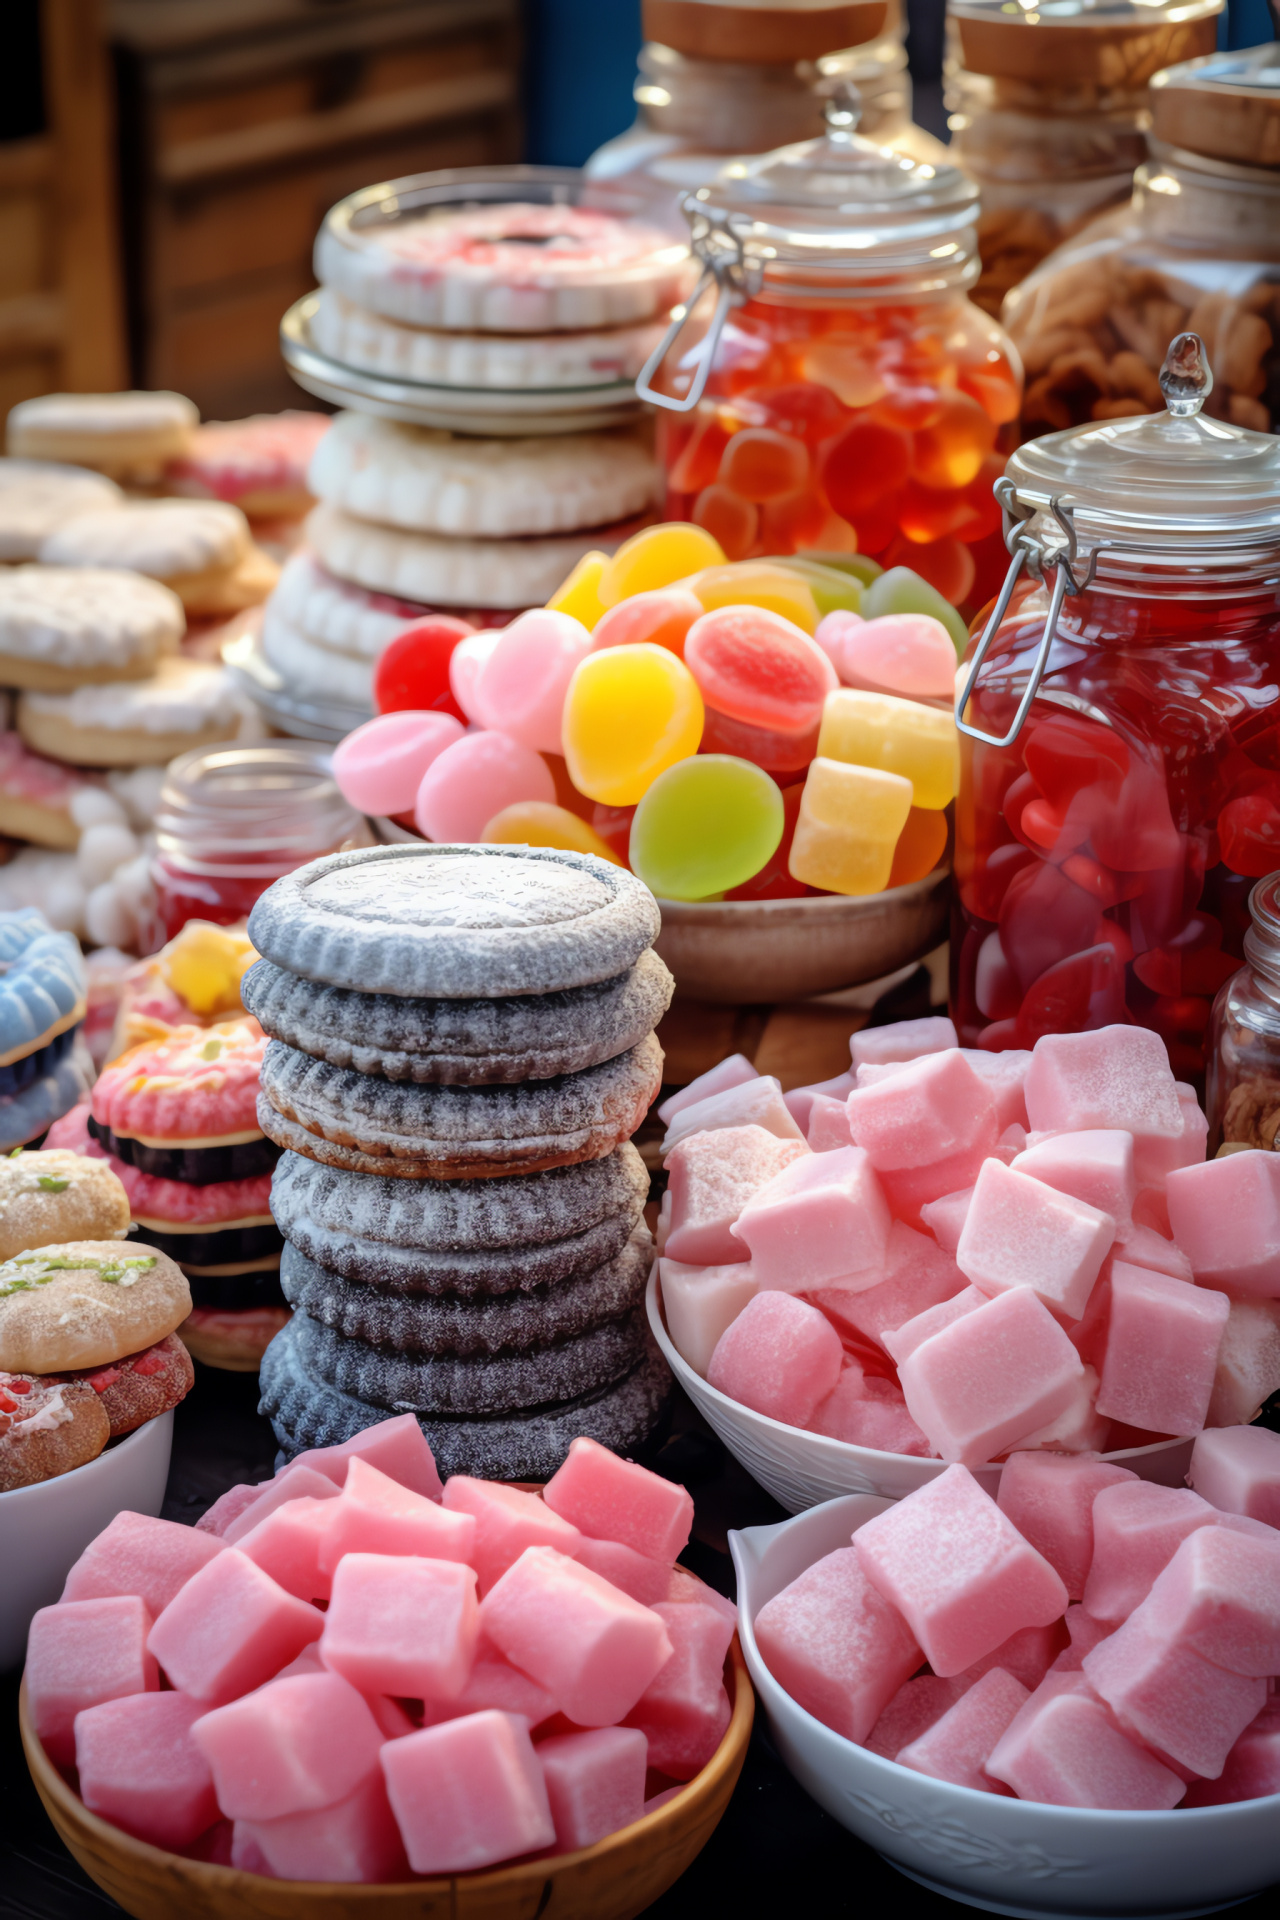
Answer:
x=201 y=549
x=36 y=496
x=85 y=1303
x=129 y=435
x=58 y=1196
x=183 y=704
x=67 y=627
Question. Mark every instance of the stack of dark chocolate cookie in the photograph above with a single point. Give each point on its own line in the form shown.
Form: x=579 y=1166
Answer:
x=462 y=1045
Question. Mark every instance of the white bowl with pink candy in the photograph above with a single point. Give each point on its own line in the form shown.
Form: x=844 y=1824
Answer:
x=1077 y=1815
x=944 y=1256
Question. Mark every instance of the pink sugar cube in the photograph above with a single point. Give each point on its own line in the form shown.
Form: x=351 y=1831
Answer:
x=1110 y=1077
x=915 y=1707
x=1095 y=1166
x=1157 y=1157
x=903 y=1040
x=684 y=1710
x=916 y=1275
x=355 y=1842
x=991 y=1377
x=910 y=1189
x=800 y=1100
x=396 y=1447
x=1006 y=1075
x=827 y=1124
x=932 y=1110
x=1144 y=1247
x=1248 y=1369
x=1220 y=1596
x=1237 y=1470
x=901 y=1342
x=1172 y=1699
x=506 y=1522
x=294 y=1482
x=957 y=1746
x=780 y=1357
x=1049 y=1498
x=595 y=1783
x=1252 y=1768
x=711 y=1177
x=140 y=1768
x=614 y=1499
x=468 y=1793
x=229 y=1629
x=1161 y=1351
x=862 y=1418
x=946 y=1216
x=291 y=1746
x=308 y=1661
x=837 y=1645
x=1225 y=1216
x=701 y=1303
x=960 y=1573
x=822 y=1221
x=1027 y=1655
x=1078 y=1428
x=493 y=1683
x=80 y=1653
x=734 y=1071
x=1020 y=1233
x=136 y=1554
x=287 y=1545
x=592 y=1647
x=1062 y=1748
x=683 y=1586
x=1137 y=1528
x=402 y=1626
x=646 y=1580
x=757 y=1103
x=1085 y=1633
x=375 y=1514
x=228 y=1507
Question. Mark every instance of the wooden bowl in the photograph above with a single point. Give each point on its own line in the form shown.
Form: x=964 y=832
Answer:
x=613 y=1880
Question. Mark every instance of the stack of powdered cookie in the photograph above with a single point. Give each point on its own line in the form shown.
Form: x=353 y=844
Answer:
x=463 y=1044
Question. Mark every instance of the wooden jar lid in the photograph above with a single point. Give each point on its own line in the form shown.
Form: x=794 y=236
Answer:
x=1226 y=107
x=776 y=34
x=1115 y=45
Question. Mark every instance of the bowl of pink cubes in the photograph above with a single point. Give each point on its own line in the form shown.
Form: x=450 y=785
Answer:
x=1054 y=1701
x=944 y=1256
x=352 y=1689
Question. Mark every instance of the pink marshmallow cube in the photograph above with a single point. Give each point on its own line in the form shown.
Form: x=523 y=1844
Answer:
x=646 y=1580
x=902 y=1040
x=991 y=1377
x=1006 y=1075
x=614 y=1499
x=297 y=1481
x=914 y=1708
x=800 y=1100
x=1220 y=1596
x=916 y=1275
x=291 y=1746
x=963 y=1577
x=1161 y=1351
x=1027 y=1655
x=1049 y=1498
x=733 y=1071
x=901 y=1342
x=1252 y=1768
x=868 y=1413
x=1248 y=1369
x=1063 y=1749
x=1110 y=1077
x=139 y=1555
x=910 y=1189
x=1156 y=1158
x=710 y=1179
x=822 y=1221
x=1162 y=1693
x=1079 y=1428
x=493 y=1683
x=468 y=1793
x=228 y=1507
x=402 y=1626
x=1095 y=1166
x=140 y=1768
x=957 y=1746
x=683 y=1586
x=506 y=1522
x=1085 y=1634
x=1020 y=1233
x=1237 y=1470
x=1137 y=1529
x=594 y=1781
x=80 y=1653
x=355 y=1842
x=837 y=1645
x=930 y=1111
x=684 y=1711
x=701 y=1303
x=287 y=1545
x=396 y=1447
x=1225 y=1216
x=230 y=1628
x=375 y=1514
x=756 y=1103
x=827 y=1124
x=945 y=1217
x=1143 y=1247
x=593 y=1648
x=780 y=1357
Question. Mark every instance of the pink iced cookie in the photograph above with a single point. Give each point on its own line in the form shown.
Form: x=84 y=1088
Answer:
x=151 y=1198
x=613 y=1499
x=379 y=767
x=909 y=654
x=475 y=778
x=259 y=464
x=822 y=1221
x=1237 y=1470
x=1225 y=1216
x=780 y=1357
x=1018 y=1232
x=837 y=1645
x=522 y=681
x=711 y=1178
x=197 y=1084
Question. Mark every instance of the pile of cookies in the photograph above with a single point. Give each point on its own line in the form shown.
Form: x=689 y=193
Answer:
x=463 y=1044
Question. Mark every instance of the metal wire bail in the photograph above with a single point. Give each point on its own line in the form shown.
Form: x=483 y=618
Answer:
x=721 y=246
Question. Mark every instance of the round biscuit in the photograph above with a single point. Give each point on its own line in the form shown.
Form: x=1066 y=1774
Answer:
x=64 y=1317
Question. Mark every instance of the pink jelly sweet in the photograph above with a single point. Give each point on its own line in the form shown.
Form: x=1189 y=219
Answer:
x=1172 y=1699
x=594 y=1781
x=1237 y=1470
x=800 y=1100
x=379 y=767
x=868 y=1412
x=913 y=1709
x=661 y=617
x=1064 y=1749
x=614 y=1499
x=1078 y=1428
x=288 y=1544
x=945 y=1217
x=646 y=1580
x=140 y=1768
x=80 y=1653
x=1049 y=1498
x=466 y=664
x=493 y=1683
x=136 y=1554
x=754 y=666
x=901 y=1040
x=1084 y=1635
x=297 y=1481
x=909 y=654
x=822 y=1221
x=523 y=681
x=356 y=1841
x=901 y=1342
x=915 y=1276
x=827 y=1123
x=957 y=1746
x=403 y=1626
x=1137 y=1529
x=1095 y=1166
x=837 y=1645
x=1111 y=1077
x=1018 y=1232
x=1225 y=1216
x=780 y=1357
x=963 y=1577
x=934 y=1109
x=1248 y=1370
x=752 y=1103
x=375 y=1514
x=684 y=1711
x=395 y=1447
x=733 y=1071
x=1027 y=1655
x=229 y=1629
x=700 y=1303
x=475 y=778
x=593 y=1648
x=1252 y=1767
x=1161 y=1352
x=468 y=1793
x=289 y=1747
x=1143 y=1247
x=506 y=1522
x=711 y=1176
x=1220 y=1596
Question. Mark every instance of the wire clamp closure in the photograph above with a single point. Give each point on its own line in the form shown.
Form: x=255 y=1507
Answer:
x=720 y=244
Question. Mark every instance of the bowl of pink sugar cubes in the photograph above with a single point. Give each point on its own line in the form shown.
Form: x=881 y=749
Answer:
x=945 y=1256
x=397 y=1692
x=1056 y=1700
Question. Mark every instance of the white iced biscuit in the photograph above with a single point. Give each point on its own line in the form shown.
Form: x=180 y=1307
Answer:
x=312 y=671
x=128 y=435
x=201 y=549
x=186 y=703
x=36 y=496
x=335 y=615
x=67 y=626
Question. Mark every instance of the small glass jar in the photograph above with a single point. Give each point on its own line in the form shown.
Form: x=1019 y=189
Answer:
x=843 y=394
x=1048 y=111
x=1197 y=248
x=232 y=820
x=1243 y=1092
x=1120 y=730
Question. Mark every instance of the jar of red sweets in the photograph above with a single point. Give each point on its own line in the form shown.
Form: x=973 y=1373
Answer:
x=832 y=387
x=1120 y=729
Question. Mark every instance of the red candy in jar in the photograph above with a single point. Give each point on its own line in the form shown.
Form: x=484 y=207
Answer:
x=1120 y=746
x=843 y=395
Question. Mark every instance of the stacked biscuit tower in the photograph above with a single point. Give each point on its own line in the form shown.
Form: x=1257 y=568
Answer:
x=463 y=1044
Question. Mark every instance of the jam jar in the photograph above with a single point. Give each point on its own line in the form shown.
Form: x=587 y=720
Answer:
x=830 y=387
x=1120 y=729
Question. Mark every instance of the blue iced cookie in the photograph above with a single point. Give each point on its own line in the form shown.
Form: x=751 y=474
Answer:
x=28 y=1115
x=43 y=988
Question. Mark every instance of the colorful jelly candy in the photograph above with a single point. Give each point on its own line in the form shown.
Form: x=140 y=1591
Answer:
x=705 y=825
x=579 y=594
x=910 y=654
x=379 y=767
x=849 y=822
x=662 y=617
x=413 y=670
x=630 y=712
x=657 y=557
x=754 y=666
x=921 y=845
x=465 y=667
x=898 y=736
x=830 y=587
x=475 y=778
x=902 y=591
x=774 y=881
x=770 y=584
x=522 y=680
x=537 y=823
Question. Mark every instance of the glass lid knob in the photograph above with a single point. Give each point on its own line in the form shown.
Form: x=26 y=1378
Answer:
x=1186 y=379
x=842 y=113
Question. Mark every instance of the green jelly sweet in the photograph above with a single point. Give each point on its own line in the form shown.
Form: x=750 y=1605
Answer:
x=705 y=825
x=901 y=591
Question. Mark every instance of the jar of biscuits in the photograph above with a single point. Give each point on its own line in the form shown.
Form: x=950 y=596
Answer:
x=1197 y=249
x=1243 y=1091
x=1048 y=111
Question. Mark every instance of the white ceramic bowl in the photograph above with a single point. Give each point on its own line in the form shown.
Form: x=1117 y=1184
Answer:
x=1009 y=1856
x=44 y=1529
x=799 y=1469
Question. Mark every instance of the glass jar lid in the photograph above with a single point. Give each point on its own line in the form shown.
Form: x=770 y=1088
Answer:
x=1114 y=43
x=1226 y=106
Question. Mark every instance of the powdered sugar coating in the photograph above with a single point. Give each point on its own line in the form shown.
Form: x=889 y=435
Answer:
x=334 y=614
x=453 y=1042
x=166 y=538
x=198 y=1083
x=181 y=696
x=87 y=617
x=36 y=496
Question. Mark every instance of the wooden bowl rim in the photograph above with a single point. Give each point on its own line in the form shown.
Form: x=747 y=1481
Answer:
x=52 y=1788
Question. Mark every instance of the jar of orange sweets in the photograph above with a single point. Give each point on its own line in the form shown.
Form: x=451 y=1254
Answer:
x=832 y=388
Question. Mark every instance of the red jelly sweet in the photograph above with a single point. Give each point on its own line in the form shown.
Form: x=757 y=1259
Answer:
x=412 y=674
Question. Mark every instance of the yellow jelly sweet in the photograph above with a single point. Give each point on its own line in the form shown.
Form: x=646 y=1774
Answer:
x=757 y=583
x=848 y=826
x=629 y=713
x=657 y=557
x=539 y=823
x=898 y=736
x=204 y=965
x=580 y=593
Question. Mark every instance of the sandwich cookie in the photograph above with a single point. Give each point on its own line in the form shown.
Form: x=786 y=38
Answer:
x=334 y=615
x=315 y=672
x=185 y=704
x=84 y=1304
x=132 y=436
x=67 y=627
x=258 y=464
x=36 y=496
x=201 y=549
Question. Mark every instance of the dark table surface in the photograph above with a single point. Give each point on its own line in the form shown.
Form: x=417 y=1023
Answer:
x=773 y=1849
